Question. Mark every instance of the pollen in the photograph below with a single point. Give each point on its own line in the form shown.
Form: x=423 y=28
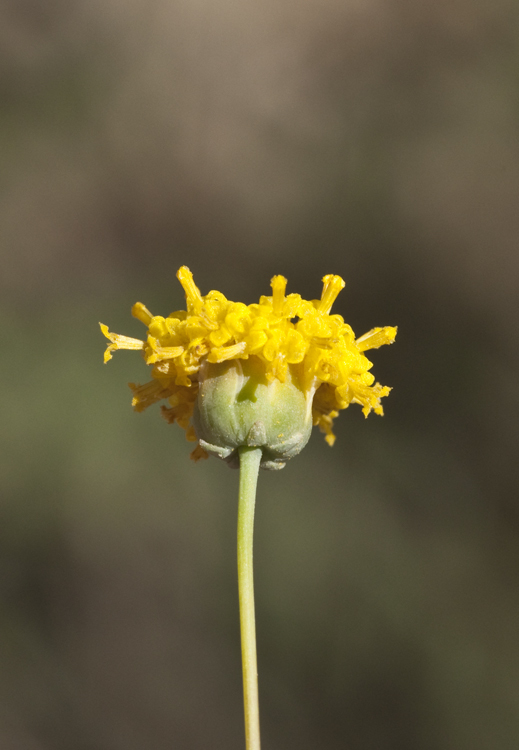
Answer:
x=280 y=332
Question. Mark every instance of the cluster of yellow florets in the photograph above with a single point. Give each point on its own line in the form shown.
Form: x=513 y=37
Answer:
x=280 y=331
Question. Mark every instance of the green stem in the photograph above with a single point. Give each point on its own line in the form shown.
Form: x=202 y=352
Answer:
x=249 y=467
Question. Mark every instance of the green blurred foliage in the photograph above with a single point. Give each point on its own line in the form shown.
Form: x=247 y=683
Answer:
x=377 y=141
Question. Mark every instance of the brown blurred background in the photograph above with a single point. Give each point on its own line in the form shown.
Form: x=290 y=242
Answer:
x=377 y=140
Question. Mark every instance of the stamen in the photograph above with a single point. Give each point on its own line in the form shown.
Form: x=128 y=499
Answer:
x=332 y=287
x=193 y=296
x=278 y=284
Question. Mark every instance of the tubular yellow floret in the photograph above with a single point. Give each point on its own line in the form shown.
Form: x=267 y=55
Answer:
x=142 y=313
x=193 y=296
x=278 y=284
x=284 y=340
x=148 y=394
x=332 y=285
x=376 y=337
x=119 y=342
x=160 y=353
x=223 y=353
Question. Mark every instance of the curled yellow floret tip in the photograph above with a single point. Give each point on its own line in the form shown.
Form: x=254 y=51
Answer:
x=282 y=339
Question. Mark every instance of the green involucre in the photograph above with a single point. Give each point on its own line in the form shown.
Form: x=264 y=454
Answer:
x=237 y=406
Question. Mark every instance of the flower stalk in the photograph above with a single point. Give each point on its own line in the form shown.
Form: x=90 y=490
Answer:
x=250 y=459
x=246 y=383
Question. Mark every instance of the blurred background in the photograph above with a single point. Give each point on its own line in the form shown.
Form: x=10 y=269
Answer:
x=377 y=140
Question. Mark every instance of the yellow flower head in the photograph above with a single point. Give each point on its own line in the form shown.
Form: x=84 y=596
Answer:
x=286 y=339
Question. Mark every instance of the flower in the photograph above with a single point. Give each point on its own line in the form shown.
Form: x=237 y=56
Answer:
x=289 y=350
